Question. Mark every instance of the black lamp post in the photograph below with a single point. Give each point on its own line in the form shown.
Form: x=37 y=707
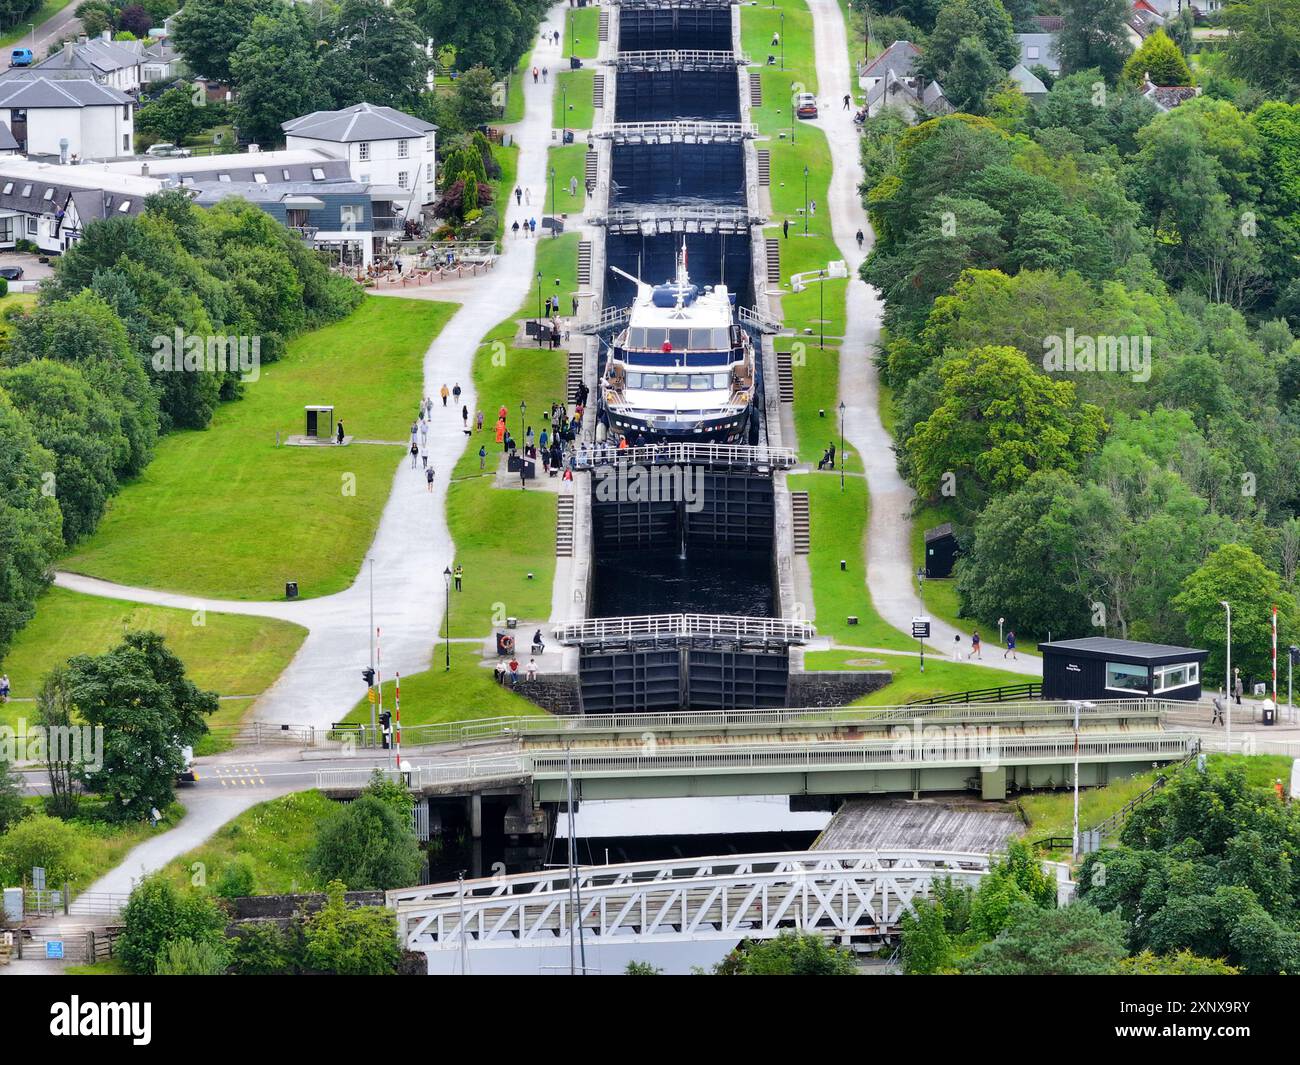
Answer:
x=523 y=410
x=553 y=214
x=539 y=308
x=841 y=445
x=782 y=40
x=446 y=615
x=821 y=304
x=564 y=113
x=805 y=201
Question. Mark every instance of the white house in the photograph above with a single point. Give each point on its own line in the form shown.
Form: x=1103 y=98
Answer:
x=51 y=205
x=383 y=147
x=71 y=119
x=109 y=62
x=1039 y=49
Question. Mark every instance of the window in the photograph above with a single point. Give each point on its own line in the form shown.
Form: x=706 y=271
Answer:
x=7 y=230
x=1031 y=51
x=350 y=216
x=259 y=177
x=402 y=178
x=654 y=338
x=364 y=179
x=124 y=206
x=363 y=151
x=679 y=382
x=31 y=225
x=1121 y=676
x=224 y=177
x=1179 y=675
x=126 y=144
x=317 y=174
x=284 y=174
x=428 y=172
x=126 y=113
x=679 y=338
x=428 y=142
x=27 y=191
x=49 y=195
x=9 y=187
x=403 y=149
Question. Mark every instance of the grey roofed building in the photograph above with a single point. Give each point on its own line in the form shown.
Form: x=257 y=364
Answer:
x=360 y=122
x=97 y=56
x=41 y=92
x=899 y=59
x=244 y=168
x=1027 y=83
x=8 y=144
x=1039 y=49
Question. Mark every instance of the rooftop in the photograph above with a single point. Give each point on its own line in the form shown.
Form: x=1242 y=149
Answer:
x=1106 y=645
x=360 y=122
x=899 y=59
x=40 y=92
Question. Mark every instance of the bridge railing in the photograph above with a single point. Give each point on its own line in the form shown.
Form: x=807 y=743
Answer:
x=678 y=57
x=674 y=219
x=731 y=455
x=651 y=625
x=685 y=130
x=764 y=323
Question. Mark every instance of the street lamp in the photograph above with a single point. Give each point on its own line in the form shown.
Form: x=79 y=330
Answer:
x=564 y=114
x=371 y=567
x=446 y=614
x=539 y=308
x=782 y=40
x=523 y=409
x=1227 y=675
x=553 y=214
x=805 y=201
x=841 y=445
x=821 y=305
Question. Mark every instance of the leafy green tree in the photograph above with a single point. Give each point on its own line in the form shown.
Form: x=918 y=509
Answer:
x=172 y=117
x=1159 y=58
x=369 y=846
x=96 y=17
x=1237 y=575
x=1183 y=963
x=30 y=521
x=185 y=957
x=207 y=32
x=972 y=76
x=261 y=950
x=789 y=954
x=237 y=880
x=41 y=841
x=357 y=941
x=376 y=54
x=985 y=20
x=54 y=711
x=926 y=946
x=1093 y=35
x=475 y=103
x=12 y=809
x=1075 y=940
x=275 y=74
x=139 y=694
x=641 y=968
x=1264 y=45
x=159 y=913
x=496 y=38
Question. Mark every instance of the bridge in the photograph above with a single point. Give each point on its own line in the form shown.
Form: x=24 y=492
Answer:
x=652 y=220
x=653 y=627
x=677 y=59
x=682 y=131
x=719 y=456
x=674 y=914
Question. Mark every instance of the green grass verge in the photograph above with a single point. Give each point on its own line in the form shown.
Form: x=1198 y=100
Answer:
x=569 y=163
x=514 y=111
x=16 y=35
x=1052 y=813
x=940 y=677
x=466 y=693
x=109 y=967
x=226 y=653
x=573 y=90
x=582 y=32
x=225 y=513
x=273 y=838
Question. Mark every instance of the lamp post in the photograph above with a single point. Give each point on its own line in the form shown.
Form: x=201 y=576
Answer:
x=553 y=215
x=841 y=445
x=805 y=201
x=446 y=614
x=523 y=410
x=821 y=305
x=539 y=308
x=564 y=113
x=782 y=40
x=1227 y=682
x=1074 y=838
x=371 y=567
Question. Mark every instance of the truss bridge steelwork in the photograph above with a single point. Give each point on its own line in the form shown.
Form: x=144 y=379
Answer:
x=676 y=626
x=653 y=220
x=850 y=896
x=677 y=59
x=753 y=458
x=683 y=131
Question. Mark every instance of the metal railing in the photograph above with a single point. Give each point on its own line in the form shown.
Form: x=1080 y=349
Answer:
x=764 y=323
x=654 y=625
x=703 y=219
x=1008 y=692
x=697 y=58
x=685 y=454
x=681 y=130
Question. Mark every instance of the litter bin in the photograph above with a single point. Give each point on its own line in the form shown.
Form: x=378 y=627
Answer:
x=1269 y=712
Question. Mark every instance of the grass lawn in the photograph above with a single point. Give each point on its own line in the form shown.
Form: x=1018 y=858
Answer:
x=110 y=967
x=569 y=162
x=940 y=677
x=465 y=693
x=1052 y=813
x=507 y=157
x=582 y=32
x=573 y=90
x=227 y=653
x=515 y=90
x=274 y=838
x=225 y=513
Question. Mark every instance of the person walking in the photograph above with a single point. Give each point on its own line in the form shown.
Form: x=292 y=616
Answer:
x=415 y=431
x=478 y=422
x=1219 y=708
x=519 y=197
x=338 y=438
x=956 y=647
x=528 y=196
x=514 y=228
x=482 y=458
x=975 y=651
x=861 y=238
x=424 y=434
x=785 y=229
x=464 y=417
x=535 y=75
x=455 y=392
x=4 y=688
x=573 y=186
x=457 y=574
x=444 y=393
x=415 y=453
x=545 y=72
x=812 y=208
x=428 y=478
x=1011 y=645
x=847 y=98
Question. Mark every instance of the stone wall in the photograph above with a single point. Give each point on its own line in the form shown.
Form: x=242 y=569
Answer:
x=559 y=693
x=260 y=907
x=834 y=687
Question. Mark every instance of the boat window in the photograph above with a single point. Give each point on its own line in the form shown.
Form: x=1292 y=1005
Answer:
x=679 y=382
x=654 y=338
x=702 y=339
x=702 y=382
x=652 y=380
x=679 y=338
x=634 y=380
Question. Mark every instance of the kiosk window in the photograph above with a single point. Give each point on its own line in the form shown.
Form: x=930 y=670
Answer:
x=1125 y=677
x=1179 y=675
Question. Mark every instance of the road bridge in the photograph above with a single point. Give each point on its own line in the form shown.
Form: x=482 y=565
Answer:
x=674 y=914
x=680 y=130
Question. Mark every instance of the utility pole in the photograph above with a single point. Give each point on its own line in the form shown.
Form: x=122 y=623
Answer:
x=1227 y=684
x=841 y=446
x=446 y=614
x=1074 y=847
x=371 y=567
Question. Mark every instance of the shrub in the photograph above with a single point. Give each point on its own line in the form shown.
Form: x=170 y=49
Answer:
x=367 y=845
x=157 y=914
x=351 y=942
x=261 y=950
x=184 y=957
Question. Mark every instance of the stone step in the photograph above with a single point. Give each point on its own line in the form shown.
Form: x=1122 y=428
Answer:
x=773 y=247
x=785 y=376
x=800 y=522
x=764 y=156
x=584 y=262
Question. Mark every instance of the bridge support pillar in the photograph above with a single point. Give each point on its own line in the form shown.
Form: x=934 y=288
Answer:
x=993 y=783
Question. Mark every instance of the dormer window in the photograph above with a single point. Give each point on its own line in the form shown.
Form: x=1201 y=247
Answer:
x=259 y=177
x=49 y=195
x=317 y=173
x=27 y=191
x=224 y=177
x=9 y=187
x=285 y=174
x=124 y=206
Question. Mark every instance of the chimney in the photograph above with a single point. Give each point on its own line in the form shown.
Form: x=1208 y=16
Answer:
x=63 y=151
x=253 y=149
x=82 y=38
x=107 y=35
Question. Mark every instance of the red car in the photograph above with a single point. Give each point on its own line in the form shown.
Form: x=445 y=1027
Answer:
x=806 y=105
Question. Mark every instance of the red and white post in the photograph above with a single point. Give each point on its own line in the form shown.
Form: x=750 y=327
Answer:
x=1275 y=658
x=397 y=721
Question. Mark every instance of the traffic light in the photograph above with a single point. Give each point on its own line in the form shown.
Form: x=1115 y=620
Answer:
x=1294 y=652
x=368 y=675
x=385 y=717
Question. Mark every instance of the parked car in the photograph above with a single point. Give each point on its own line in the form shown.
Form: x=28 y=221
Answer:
x=806 y=105
x=22 y=57
x=11 y=273
x=167 y=151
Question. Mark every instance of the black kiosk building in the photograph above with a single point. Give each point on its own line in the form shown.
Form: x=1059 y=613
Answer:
x=940 y=550
x=1098 y=667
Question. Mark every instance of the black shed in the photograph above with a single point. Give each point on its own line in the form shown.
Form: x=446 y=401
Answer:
x=940 y=550
x=1098 y=667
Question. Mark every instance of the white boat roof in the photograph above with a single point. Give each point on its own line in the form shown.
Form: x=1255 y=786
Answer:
x=710 y=309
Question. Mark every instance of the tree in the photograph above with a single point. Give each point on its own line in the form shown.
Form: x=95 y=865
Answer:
x=1183 y=963
x=360 y=941
x=30 y=521
x=789 y=954
x=1236 y=574
x=376 y=53
x=1264 y=45
x=369 y=846
x=475 y=102
x=96 y=16
x=207 y=33
x=184 y=957
x=997 y=421
x=985 y=20
x=139 y=694
x=927 y=947
x=261 y=950
x=1159 y=59
x=641 y=968
x=47 y=842
x=12 y=809
x=54 y=711
x=159 y=913
x=1075 y=940
x=172 y=117
x=273 y=68
x=134 y=19
x=1093 y=34
x=972 y=77
x=496 y=38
